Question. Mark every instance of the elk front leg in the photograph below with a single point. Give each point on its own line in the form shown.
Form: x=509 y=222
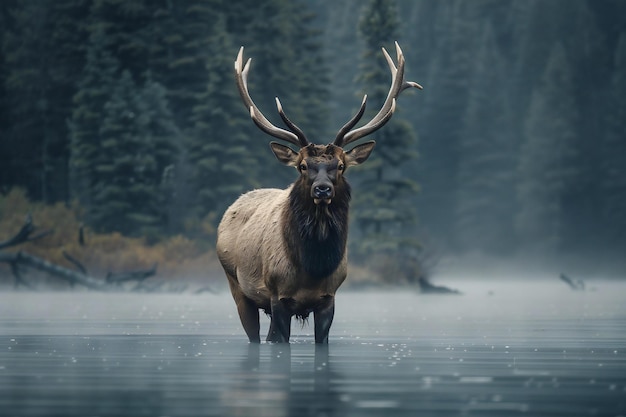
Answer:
x=323 y=317
x=280 y=323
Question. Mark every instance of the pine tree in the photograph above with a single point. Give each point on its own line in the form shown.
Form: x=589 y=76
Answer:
x=342 y=47
x=180 y=37
x=382 y=208
x=163 y=143
x=546 y=168
x=95 y=85
x=590 y=59
x=218 y=149
x=6 y=180
x=446 y=89
x=312 y=75
x=613 y=151
x=42 y=55
x=127 y=24
x=485 y=195
x=137 y=145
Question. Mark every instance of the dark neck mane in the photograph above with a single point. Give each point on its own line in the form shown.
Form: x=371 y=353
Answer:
x=316 y=234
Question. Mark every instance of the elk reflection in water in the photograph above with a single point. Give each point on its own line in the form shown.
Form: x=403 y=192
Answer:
x=273 y=381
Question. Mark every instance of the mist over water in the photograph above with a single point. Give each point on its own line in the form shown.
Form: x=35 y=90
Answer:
x=504 y=347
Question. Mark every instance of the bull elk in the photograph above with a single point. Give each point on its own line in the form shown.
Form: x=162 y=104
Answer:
x=284 y=251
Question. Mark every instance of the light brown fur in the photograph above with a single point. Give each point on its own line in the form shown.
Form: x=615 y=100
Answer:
x=252 y=250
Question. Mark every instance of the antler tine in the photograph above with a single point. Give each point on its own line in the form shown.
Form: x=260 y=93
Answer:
x=291 y=125
x=351 y=123
x=398 y=84
x=241 y=77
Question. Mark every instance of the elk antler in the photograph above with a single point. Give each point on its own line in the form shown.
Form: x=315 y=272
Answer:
x=398 y=85
x=241 y=75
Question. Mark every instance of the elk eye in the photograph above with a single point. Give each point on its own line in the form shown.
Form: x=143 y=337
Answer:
x=341 y=167
x=302 y=167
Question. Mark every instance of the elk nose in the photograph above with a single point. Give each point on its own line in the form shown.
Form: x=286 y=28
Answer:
x=322 y=191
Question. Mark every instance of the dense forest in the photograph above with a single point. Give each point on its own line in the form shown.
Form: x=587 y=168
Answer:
x=516 y=145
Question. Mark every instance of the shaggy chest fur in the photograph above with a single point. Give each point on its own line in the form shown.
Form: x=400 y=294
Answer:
x=316 y=234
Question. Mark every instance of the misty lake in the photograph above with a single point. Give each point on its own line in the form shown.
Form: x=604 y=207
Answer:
x=503 y=348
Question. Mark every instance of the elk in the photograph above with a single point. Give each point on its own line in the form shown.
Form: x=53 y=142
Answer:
x=284 y=250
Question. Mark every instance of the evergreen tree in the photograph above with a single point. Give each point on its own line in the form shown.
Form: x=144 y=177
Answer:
x=444 y=103
x=42 y=54
x=121 y=164
x=219 y=151
x=6 y=180
x=546 y=167
x=127 y=24
x=382 y=209
x=590 y=59
x=486 y=198
x=163 y=143
x=312 y=76
x=342 y=49
x=137 y=145
x=95 y=85
x=180 y=36
x=613 y=151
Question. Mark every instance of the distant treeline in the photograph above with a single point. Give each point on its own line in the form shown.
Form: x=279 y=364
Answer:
x=130 y=108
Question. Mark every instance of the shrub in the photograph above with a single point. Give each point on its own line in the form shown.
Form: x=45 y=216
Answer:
x=176 y=256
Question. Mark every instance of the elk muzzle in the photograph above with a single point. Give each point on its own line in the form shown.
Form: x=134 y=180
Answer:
x=322 y=189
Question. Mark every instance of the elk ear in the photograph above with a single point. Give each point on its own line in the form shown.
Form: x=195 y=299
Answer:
x=359 y=153
x=284 y=154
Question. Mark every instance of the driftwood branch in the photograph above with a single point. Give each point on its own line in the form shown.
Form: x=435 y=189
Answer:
x=75 y=262
x=15 y=268
x=574 y=284
x=24 y=234
x=426 y=287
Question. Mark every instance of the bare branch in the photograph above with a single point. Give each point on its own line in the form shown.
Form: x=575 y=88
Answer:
x=75 y=262
x=24 y=234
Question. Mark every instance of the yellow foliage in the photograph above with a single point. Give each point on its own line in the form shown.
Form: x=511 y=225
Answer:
x=176 y=256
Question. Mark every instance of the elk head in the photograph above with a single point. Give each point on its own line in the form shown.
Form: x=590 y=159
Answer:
x=322 y=167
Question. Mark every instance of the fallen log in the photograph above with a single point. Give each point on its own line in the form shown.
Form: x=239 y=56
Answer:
x=138 y=275
x=426 y=287
x=25 y=259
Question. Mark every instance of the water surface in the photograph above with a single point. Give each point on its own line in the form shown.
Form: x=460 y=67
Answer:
x=501 y=349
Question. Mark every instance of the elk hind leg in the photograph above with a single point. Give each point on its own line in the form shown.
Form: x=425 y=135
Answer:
x=247 y=309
